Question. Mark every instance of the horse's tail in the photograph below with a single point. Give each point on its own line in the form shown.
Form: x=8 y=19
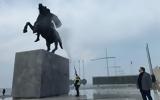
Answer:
x=60 y=43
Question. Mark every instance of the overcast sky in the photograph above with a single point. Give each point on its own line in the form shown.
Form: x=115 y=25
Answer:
x=89 y=27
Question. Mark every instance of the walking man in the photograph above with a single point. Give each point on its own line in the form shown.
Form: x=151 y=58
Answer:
x=77 y=83
x=144 y=83
x=3 y=92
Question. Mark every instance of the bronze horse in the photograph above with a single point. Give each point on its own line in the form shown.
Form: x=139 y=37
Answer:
x=45 y=26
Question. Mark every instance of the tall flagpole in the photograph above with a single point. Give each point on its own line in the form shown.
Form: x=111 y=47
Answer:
x=156 y=97
x=79 y=68
x=149 y=59
x=107 y=63
x=150 y=64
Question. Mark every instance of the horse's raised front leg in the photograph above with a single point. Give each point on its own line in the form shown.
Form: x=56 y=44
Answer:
x=48 y=46
x=56 y=47
x=37 y=39
x=25 y=27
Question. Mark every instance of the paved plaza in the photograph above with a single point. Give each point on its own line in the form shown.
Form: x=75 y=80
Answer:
x=112 y=92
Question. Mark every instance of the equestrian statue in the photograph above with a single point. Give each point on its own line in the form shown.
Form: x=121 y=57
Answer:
x=45 y=26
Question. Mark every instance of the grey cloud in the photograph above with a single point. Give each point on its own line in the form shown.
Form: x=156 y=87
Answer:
x=89 y=27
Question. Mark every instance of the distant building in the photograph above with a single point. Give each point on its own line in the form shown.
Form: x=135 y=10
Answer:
x=127 y=79
x=156 y=71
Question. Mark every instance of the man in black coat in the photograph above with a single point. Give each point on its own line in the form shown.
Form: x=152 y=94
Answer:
x=4 y=91
x=144 y=83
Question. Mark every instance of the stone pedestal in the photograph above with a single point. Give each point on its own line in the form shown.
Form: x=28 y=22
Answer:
x=39 y=73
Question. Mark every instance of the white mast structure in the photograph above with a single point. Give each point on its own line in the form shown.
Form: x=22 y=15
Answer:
x=106 y=58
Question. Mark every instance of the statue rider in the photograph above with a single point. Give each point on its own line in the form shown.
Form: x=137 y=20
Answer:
x=45 y=19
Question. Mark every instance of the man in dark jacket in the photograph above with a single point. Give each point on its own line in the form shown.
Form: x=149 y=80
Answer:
x=4 y=91
x=144 y=83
